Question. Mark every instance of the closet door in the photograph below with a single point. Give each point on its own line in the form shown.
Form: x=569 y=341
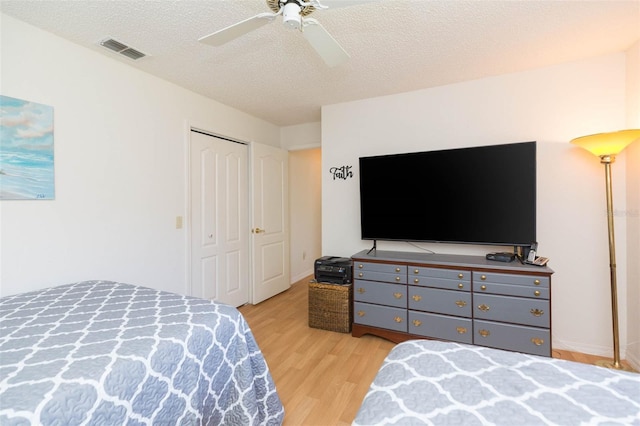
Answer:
x=219 y=232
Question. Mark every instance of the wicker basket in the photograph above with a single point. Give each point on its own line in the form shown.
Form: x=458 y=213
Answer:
x=330 y=306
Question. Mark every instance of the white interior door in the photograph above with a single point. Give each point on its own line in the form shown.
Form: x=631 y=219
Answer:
x=270 y=218
x=219 y=230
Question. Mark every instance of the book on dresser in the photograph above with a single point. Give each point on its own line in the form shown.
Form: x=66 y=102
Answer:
x=461 y=298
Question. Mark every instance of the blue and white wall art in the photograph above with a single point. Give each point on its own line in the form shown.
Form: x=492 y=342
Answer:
x=26 y=150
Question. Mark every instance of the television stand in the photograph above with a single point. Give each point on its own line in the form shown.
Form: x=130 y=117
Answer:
x=374 y=248
x=461 y=298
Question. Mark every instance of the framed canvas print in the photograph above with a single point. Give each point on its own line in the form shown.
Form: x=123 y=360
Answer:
x=26 y=150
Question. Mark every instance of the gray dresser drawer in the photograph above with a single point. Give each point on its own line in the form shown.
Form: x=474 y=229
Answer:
x=380 y=316
x=536 y=341
x=380 y=293
x=441 y=327
x=440 y=301
x=450 y=274
x=511 y=290
x=512 y=309
x=379 y=267
x=524 y=280
x=381 y=276
x=440 y=283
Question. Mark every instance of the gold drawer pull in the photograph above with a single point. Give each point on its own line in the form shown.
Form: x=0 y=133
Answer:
x=537 y=312
x=398 y=278
x=416 y=297
x=460 y=275
x=416 y=280
x=416 y=271
x=360 y=266
x=461 y=303
x=397 y=295
x=397 y=269
x=484 y=333
x=483 y=277
x=483 y=287
x=361 y=290
x=360 y=313
x=398 y=320
x=461 y=330
x=536 y=293
x=460 y=285
x=483 y=307
x=417 y=323
x=536 y=282
x=360 y=275
x=537 y=341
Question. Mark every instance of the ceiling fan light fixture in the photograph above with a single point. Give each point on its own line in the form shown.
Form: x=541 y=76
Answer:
x=291 y=17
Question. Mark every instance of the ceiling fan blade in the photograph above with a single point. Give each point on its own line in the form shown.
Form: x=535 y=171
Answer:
x=326 y=46
x=234 y=31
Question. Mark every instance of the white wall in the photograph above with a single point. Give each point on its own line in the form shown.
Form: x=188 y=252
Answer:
x=633 y=207
x=120 y=140
x=552 y=106
x=305 y=210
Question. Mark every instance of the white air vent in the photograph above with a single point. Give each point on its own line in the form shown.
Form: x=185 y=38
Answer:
x=121 y=48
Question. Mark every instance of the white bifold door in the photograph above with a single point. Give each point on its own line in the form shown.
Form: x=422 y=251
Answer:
x=239 y=237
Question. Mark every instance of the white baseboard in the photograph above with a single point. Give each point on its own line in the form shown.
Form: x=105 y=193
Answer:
x=301 y=276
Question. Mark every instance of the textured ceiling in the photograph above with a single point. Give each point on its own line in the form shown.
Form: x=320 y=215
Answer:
x=395 y=45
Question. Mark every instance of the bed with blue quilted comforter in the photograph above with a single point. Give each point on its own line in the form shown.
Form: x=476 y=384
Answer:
x=107 y=353
x=442 y=383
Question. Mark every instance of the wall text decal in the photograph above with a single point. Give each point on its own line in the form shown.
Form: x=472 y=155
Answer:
x=343 y=172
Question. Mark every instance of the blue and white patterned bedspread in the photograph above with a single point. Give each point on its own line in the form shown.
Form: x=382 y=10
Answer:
x=106 y=353
x=441 y=383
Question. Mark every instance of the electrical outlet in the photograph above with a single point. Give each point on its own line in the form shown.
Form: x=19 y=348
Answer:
x=178 y=222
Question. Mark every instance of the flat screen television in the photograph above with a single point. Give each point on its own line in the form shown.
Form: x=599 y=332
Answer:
x=476 y=195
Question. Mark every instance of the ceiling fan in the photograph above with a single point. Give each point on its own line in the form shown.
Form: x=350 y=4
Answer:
x=294 y=16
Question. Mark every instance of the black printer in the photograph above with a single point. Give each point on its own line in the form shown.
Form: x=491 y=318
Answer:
x=333 y=269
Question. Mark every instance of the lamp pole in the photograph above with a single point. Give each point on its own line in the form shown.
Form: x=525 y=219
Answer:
x=607 y=160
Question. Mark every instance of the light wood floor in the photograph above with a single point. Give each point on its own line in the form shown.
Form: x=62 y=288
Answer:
x=321 y=376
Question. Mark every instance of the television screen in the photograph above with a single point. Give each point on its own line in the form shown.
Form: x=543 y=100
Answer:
x=477 y=195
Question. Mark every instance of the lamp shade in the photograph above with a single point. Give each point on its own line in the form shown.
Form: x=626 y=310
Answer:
x=607 y=143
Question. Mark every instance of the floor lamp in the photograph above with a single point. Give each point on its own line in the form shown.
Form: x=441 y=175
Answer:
x=607 y=146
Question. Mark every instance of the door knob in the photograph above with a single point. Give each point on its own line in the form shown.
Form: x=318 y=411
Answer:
x=257 y=231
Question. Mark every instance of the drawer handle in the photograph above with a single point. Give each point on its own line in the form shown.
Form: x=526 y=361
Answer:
x=536 y=282
x=483 y=307
x=483 y=277
x=398 y=320
x=397 y=269
x=416 y=297
x=360 y=275
x=361 y=313
x=416 y=280
x=361 y=290
x=536 y=293
x=461 y=303
x=537 y=341
x=416 y=271
x=460 y=285
x=460 y=275
x=360 y=266
x=483 y=287
x=484 y=333
x=537 y=312
x=397 y=295
x=398 y=278
x=461 y=330
x=417 y=323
